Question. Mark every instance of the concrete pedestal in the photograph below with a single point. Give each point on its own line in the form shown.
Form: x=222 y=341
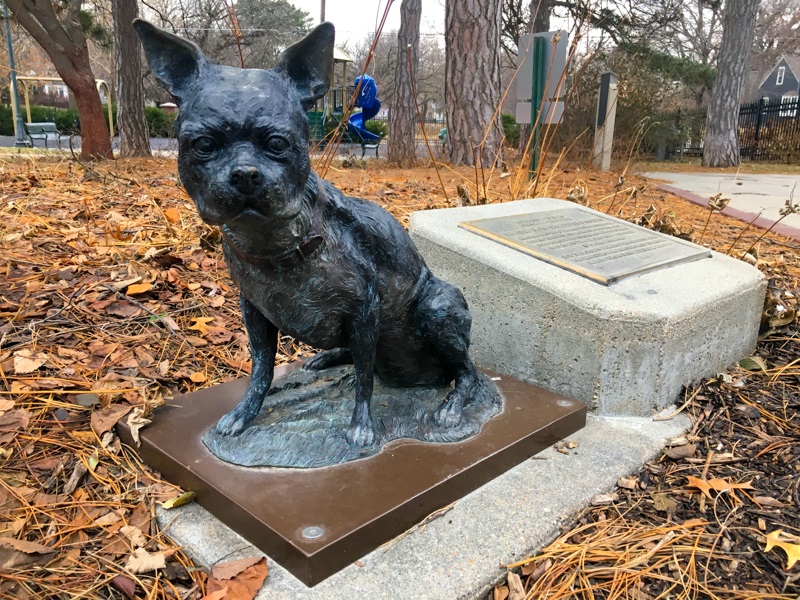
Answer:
x=623 y=349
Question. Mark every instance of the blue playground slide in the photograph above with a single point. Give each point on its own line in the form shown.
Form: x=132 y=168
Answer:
x=370 y=106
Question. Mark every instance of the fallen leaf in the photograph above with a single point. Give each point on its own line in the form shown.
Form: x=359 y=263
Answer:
x=172 y=215
x=184 y=498
x=231 y=568
x=243 y=586
x=104 y=419
x=122 y=308
x=138 y=288
x=126 y=585
x=753 y=363
x=119 y=285
x=500 y=593
x=28 y=361
x=689 y=523
x=792 y=550
x=87 y=400
x=535 y=570
x=198 y=377
x=768 y=501
x=218 y=595
x=718 y=485
x=6 y=405
x=663 y=503
x=16 y=553
x=201 y=324
x=701 y=484
x=721 y=485
x=678 y=452
x=94 y=460
x=216 y=301
x=602 y=499
x=135 y=422
x=107 y=519
x=12 y=422
x=134 y=534
x=142 y=561
x=516 y=591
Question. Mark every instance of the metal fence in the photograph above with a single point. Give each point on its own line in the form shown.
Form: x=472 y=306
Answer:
x=432 y=128
x=768 y=131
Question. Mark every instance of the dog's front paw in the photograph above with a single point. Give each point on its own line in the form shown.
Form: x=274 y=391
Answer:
x=360 y=435
x=233 y=423
x=449 y=413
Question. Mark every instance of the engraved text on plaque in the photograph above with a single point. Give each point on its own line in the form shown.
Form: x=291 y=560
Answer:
x=597 y=246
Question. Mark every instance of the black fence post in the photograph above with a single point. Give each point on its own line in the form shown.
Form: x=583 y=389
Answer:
x=758 y=130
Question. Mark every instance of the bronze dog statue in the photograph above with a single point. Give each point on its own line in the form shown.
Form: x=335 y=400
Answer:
x=335 y=272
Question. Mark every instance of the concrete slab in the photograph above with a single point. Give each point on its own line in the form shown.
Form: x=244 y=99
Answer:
x=622 y=349
x=458 y=554
x=749 y=194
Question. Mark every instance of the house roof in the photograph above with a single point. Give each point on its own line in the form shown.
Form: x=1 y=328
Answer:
x=793 y=62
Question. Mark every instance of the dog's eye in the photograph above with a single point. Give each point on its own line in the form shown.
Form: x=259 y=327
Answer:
x=204 y=146
x=277 y=144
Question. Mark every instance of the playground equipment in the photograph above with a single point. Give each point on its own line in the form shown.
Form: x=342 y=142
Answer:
x=370 y=105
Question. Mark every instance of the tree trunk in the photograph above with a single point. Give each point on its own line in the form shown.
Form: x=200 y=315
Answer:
x=540 y=14
x=65 y=43
x=402 y=125
x=721 y=146
x=133 y=137
x=472 y=80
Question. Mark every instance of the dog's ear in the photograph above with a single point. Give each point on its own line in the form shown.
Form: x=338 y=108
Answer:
x=175 y=62
x=309 y=62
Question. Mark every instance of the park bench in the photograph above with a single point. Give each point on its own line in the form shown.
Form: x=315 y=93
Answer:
x=369 y=146
x=43 y=131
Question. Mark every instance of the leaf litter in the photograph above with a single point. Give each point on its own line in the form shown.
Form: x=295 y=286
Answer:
x=115 y=298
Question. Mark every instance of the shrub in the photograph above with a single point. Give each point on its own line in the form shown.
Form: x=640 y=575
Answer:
x=380 y=128
x=511 y=129
x=159 y=122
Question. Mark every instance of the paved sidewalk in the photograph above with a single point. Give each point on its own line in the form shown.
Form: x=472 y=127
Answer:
x=750 y=195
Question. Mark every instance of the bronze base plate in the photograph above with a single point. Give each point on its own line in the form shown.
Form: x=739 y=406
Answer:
x=347 y=510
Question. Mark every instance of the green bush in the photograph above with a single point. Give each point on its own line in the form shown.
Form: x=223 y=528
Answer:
x=510 y=129
x=159 y=122
x=380 y=128
x=6 y=121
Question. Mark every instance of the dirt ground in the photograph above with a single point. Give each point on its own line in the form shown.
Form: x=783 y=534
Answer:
x=115 y=297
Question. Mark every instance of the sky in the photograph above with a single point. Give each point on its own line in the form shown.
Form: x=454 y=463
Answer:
x=354 y=19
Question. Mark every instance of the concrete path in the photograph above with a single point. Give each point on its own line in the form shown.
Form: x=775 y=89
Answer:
x=749 y=194
x=168 y=147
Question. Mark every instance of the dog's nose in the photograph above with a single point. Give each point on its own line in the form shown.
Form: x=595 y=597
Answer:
x=246 y=179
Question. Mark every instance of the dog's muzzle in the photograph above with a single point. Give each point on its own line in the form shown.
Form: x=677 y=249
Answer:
x=247 y=179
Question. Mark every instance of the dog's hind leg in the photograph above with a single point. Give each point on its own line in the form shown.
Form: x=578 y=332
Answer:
x=444 y=319
x=363 y=334
x=263 y=337
x=329 y=358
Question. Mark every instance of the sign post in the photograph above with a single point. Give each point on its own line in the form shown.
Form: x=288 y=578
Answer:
x=540 y=81
x=604 y=123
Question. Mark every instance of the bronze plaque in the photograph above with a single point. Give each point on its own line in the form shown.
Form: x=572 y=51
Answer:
x=603 y=248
